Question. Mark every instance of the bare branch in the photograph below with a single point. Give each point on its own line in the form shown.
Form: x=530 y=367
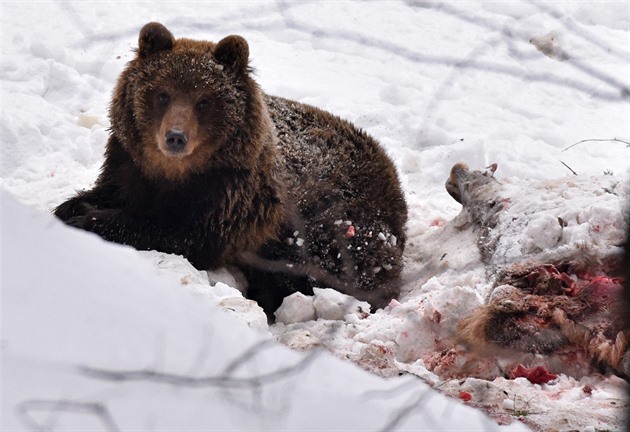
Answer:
x=100 y=411
x=248 y=355
x=570 y=169
x=221 y=380
x=597 y=140
x=408 y=409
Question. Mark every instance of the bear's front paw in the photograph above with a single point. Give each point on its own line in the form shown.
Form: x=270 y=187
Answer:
x=92 y=219
x=73 y=209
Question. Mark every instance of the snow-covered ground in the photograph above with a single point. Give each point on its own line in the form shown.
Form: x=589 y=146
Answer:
x=512 y=82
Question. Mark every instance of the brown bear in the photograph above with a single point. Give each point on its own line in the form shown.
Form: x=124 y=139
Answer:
x=201 y=163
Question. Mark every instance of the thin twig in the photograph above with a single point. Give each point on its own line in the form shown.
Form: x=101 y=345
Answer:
x=25 y=409
x=223 y=380
x=597 y=140
x=405 y=411
x=570 y=169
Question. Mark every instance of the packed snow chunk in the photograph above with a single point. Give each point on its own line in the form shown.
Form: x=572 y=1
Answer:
x=88 y=121
x=605 y=224
x=508 y=404
x=296 y=308
x=433 y=325
x=379 y=359
x=542 y=233
x=247 y=311
x=231 y=277
x=333 y=305
x=222 y=291
x=299 y=339
x=446 y=307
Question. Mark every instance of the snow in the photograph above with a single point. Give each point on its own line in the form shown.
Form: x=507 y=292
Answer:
x=73 y=305
x=436 y=83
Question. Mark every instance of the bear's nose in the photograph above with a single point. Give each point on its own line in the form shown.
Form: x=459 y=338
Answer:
x=176 y=140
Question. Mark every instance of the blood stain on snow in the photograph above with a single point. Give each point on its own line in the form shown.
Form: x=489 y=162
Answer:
x=437 y=317
x=350 y=233
x=437 y=223
x=465 y=396
x=536 y=375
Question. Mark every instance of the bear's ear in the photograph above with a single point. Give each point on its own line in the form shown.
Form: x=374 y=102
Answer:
x=233 y=52
x=154 y=37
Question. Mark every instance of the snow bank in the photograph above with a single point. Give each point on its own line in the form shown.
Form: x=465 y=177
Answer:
x=76 y=310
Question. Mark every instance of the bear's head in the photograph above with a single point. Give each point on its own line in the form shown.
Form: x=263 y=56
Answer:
x=184 y=106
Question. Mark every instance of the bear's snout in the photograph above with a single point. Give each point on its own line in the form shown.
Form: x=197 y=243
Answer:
x=176 y=140
x=177 y=136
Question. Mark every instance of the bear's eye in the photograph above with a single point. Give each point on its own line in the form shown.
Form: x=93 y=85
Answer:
x=203 y=104
x=162 y=98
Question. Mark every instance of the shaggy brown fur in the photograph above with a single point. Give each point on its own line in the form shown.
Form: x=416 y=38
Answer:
x=201 y=163
x=533 y=319
x=568 y=309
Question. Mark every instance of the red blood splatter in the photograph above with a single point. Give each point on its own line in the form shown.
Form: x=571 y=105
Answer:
x=350 y=233
x=571 y=287
x=606 y=279
x=465 y=396
x=547 y=278
x=437 y=317
x=537 y=375
x=604 y=289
